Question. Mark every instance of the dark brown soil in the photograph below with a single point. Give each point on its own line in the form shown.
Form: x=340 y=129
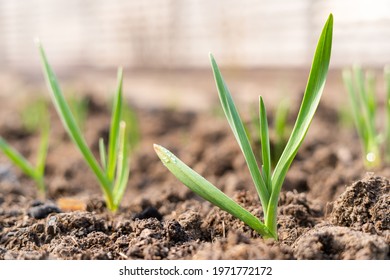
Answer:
x=329 y=208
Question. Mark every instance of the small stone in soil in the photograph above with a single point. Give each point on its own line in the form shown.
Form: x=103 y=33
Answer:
x=42 y=211
x=36 y=203
x=149 y=212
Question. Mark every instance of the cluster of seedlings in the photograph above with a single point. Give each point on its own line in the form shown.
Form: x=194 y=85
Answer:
x=361 y=87
x=113 y=168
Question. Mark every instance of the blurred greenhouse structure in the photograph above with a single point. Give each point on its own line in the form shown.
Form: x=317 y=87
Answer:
x=163 y=45
x=180 y=33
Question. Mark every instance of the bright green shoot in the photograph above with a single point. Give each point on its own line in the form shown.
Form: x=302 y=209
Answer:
x=361 y=90
x=113 y=172
x=279 y=133
x=36 y=172
x=268 y=183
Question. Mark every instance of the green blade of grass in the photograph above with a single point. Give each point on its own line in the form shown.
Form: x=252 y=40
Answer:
x=313 y=92
x=265 y=145
x=114 y=128
x=70 y=124
x=208 y=191
x=239 y=132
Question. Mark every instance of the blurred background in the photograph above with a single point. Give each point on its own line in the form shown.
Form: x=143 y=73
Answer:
x=265 y=47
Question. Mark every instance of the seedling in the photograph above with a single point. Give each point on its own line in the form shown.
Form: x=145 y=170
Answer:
x=35 y=172
x=33 y=113
x=133 y=134
x=387 y=106
x=281 y=130
x=113 y=173
x=361 y=90
x=268 y=184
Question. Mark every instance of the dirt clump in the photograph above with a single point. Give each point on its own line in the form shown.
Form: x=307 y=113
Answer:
x=365 y=206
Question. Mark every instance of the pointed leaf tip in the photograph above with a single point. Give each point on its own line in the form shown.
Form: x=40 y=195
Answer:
x=37 y=41
x=157 y=148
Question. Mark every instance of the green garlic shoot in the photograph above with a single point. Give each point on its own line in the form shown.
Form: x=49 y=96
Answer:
x=268 y=183
x=113 y=171
x=33 y=113
x=387 y=108
x=361 y=87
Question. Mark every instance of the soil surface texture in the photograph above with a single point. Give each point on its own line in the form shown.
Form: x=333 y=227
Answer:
x=330 y=206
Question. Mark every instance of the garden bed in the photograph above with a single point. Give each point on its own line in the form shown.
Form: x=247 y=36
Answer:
x=330 y=207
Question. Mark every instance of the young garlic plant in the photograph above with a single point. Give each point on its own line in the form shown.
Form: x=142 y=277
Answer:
x=268 y=184
x=361 y=88
x=113 y=172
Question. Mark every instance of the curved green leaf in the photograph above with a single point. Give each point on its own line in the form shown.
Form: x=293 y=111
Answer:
x=208 y=191
x=238 y=129
x=313 y=92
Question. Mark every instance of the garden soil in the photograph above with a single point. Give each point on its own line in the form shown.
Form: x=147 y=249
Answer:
x=330 y=206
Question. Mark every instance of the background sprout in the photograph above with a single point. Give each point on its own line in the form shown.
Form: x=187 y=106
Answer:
x=113 y=171
x=360 y=86
x=268 y=184
x=33 y=113
x=133 y=134
x=387 y=107
x=37 y=121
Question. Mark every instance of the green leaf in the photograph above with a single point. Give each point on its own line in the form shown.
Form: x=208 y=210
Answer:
x=387 y=84
x=313 y=92
x=361 y=93
x=133 y=134
x=102 y=153
x=265 y=145
x=208 y=191
x=17 y=159
x=114 y=129
x=123 y=167
x=371 y=102
x=71 y=126
x=42 y=150
x=239 y=132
